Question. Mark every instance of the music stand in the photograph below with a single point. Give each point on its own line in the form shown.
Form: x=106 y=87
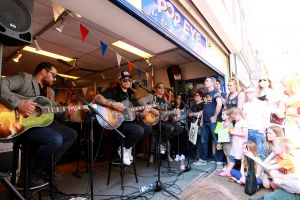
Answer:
x=158 y=184
x=94 y=112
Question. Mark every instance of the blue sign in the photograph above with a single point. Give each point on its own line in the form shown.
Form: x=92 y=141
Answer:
x=171 y=19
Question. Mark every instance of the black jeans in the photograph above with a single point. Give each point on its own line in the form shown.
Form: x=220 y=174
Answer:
x=54 y=139
x=134 y=132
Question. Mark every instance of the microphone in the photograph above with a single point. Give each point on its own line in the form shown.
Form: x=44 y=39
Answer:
x=169 y=89
x=136 y=81
x=64 y=79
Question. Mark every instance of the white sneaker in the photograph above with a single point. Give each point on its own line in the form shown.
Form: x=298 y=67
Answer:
x=162 y=148
x=126 y=159
x=177 y=158
x=200 y=162
x=130 y=154
x=182 y=157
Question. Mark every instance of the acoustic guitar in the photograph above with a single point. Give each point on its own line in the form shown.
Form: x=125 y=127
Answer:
x=116 y=117
x=151 y=119
x=12 y=123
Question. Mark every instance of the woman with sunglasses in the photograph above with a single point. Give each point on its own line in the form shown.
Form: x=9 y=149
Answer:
x=265 y=89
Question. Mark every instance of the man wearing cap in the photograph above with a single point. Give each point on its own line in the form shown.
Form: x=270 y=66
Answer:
x=133 y=130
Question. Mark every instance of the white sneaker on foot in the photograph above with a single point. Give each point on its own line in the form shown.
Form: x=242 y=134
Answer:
x=130 y=154
x=126 y=159
x=182 y=157
x=177 y=158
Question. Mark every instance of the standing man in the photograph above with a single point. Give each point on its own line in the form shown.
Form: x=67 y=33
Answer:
x=211 y=113
x=133 y=130
x=257 y=117
x=54 y=139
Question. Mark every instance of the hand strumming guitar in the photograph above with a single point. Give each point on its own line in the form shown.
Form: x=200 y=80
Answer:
x=27 y=107
x=118 y=106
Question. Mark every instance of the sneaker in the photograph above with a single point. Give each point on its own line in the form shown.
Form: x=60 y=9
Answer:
x=163 y=148
x=224 y=173
x=219 y=166
x=34 y=182
x=200 y=162
x=177 y=158
x=182 y=157
x=126 y=159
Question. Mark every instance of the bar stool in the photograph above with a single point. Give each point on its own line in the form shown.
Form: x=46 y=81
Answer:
x=24 y=150
x=120 y=163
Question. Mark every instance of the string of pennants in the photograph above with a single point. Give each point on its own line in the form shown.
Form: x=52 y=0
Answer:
x=57 y=10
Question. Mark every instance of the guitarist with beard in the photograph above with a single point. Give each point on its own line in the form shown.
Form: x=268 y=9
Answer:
x=54 y=139
x=168 y=129
x=133 y=130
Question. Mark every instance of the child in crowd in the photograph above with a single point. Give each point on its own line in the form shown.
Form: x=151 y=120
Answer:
x=240 y=176
x=239 y=135
x=273 y=132
x=223 y=132
x=279 y=163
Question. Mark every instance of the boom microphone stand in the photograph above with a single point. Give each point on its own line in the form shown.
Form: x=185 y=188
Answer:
x=158 y=184
x=94 y=112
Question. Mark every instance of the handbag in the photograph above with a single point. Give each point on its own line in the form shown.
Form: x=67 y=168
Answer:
x=276 y=120
x=251 y=184
x=193 y=132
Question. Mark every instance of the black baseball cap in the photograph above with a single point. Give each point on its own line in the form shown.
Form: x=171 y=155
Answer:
x=124 y=74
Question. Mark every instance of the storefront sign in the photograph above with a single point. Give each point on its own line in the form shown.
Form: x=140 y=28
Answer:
x=171 y=19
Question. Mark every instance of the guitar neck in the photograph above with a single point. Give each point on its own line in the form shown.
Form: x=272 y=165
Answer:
x=138 y=108
x=59 y=109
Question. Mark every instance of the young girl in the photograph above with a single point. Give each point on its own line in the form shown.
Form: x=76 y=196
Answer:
x=239 y=135
x=240 y=176
x=273 y=132
x=224 y=128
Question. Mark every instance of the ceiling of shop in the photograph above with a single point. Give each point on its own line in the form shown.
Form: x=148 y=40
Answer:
x=107 y=21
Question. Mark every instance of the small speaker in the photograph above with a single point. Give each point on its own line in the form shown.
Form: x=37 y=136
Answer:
x=179 y=88
x=16 y=22
x=174 y=74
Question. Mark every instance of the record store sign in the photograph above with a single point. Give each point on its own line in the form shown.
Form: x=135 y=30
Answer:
x=171 y=19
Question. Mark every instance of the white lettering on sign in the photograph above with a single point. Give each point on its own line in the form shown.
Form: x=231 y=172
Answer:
x=166 y=6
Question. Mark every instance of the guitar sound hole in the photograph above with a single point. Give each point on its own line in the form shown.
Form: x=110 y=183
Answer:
x=38 y=112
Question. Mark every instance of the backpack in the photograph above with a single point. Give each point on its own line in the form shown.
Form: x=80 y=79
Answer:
x=251 y=184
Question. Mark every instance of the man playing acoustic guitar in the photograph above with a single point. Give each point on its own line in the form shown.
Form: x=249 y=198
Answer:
x=53 y=139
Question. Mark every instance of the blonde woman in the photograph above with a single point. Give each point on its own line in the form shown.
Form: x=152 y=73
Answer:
x=236 y=97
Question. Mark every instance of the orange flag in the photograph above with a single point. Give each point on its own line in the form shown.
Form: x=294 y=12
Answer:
x=130 y=67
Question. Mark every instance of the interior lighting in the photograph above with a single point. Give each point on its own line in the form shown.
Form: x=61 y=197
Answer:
x=46 y=53
x=69 y=76
x=131 y=49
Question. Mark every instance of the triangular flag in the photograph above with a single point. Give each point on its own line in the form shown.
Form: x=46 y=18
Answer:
x=103 y=77
x=84 y=90
x=139 y=72
x=57 y=10
x=119 y=58
x=103 y=47
x=84 y=31
x=130 y=67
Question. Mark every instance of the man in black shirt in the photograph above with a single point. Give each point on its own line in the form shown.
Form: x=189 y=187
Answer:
x=133 y=130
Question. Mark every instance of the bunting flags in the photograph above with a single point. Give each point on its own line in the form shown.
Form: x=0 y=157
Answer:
x=119 y=58
x=84 y=31
x=130 y=67
x=103 y=47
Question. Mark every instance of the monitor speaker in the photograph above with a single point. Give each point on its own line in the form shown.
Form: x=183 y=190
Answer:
x=174 y=74
x=16 y=22
x=179 y=88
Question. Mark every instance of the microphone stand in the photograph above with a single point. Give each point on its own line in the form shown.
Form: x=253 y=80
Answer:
x=159 y=186
x=94 y=112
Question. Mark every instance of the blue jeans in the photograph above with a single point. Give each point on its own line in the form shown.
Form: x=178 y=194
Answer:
x=260 y=141
x=209 y=128
x=237 y=175
x=54 y=139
